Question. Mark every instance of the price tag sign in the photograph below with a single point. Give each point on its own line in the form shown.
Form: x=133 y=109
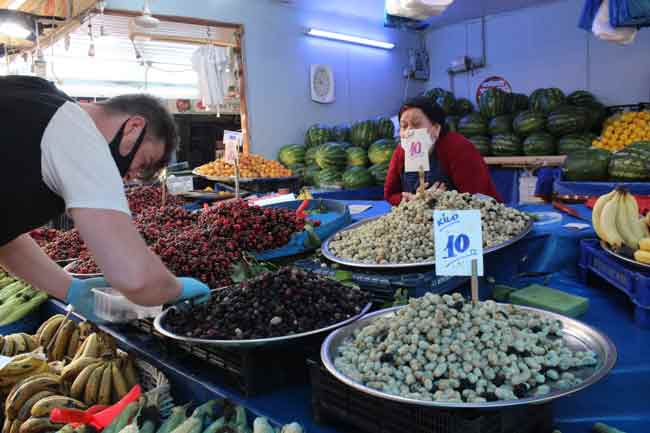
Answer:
x=416 y=150
x=458 y=238
x=232 y=142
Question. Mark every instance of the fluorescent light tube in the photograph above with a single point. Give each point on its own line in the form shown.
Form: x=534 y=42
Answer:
x=15 y=4
x=352 y=39
x=14 y=30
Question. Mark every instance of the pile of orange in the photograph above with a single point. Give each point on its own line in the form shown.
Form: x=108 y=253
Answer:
x=624 y=129
x=250 y=166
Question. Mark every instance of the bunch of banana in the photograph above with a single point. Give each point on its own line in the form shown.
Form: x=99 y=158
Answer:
x=17 y=299
x=22 y=399
x=98 y=380
x=59 y=337
x=97 y=344
x=616 y=219
x=21 y=367
x=15 y=344
x=643 y=253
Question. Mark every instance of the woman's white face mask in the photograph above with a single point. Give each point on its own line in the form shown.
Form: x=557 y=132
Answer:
x=414 y=120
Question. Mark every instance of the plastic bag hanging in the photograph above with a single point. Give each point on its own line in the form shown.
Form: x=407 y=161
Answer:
x=603 y=29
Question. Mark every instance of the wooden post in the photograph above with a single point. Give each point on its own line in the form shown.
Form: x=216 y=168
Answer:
x=243 y=104
x=474 y=281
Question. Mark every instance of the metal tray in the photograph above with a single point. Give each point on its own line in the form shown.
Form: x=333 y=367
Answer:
x=577 y=335
x=252 y=343
x=207 y=195
x=330 y=256
x=620 y=256
x=242 y=179
x=80 y=276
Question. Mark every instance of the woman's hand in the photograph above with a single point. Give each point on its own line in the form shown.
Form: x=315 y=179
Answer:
x=407 y=197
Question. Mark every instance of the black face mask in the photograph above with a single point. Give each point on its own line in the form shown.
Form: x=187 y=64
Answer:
x=124 y=162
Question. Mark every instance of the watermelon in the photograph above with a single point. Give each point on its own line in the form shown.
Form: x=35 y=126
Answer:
x=297 y=169
x=482 y=144
x=340 y=132
x=291 y=154
x=463 y=107
x=329 y=177
x=379 y=171
x=385 y=128
x=447 y=102
x=500 y=125
x=452 y=123
x=630 y=165
x=357 y=157
x=310 y=155
x=566 y=120
x=344 y=144
x=535 y=100
x=317 y=134
x=506 y=145
x=435 y=93
x=547 y=100
x=492 y=103
x=581 y=98
x=518 y=103
x=363 y=134
x=596 y=115
x=471 y=125
x=310 y=174
x=381 y=151
x=587 y=164
x=641 y=145
x=357 y=177
x=572 y=142
x=539 y=143
x=331 y=155
x=528 y=122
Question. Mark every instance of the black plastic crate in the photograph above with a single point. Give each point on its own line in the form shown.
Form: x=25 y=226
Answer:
x=252 y=371
x=382 y=285
x=334 y=403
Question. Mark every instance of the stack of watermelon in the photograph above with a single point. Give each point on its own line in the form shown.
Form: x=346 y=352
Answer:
x=350 y=156
x=631 y=164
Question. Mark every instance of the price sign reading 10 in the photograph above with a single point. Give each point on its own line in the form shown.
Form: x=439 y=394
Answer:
x=458 y=239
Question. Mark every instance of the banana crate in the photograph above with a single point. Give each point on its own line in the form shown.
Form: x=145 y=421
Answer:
x=600 y=268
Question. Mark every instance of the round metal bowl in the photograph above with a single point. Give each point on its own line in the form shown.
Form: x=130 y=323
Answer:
x=242 y=179
x=330 y=255
x=577 y=336
x=158 y=324
x=620 y=256
x=80 y=276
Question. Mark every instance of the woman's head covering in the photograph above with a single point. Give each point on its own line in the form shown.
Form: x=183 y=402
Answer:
x=430 y=109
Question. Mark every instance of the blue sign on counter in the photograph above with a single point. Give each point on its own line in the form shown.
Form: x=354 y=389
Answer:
x=458 y=238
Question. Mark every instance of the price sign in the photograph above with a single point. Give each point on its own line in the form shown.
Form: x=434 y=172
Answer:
x=416 y=150
x=458 y=237
x=232 y=142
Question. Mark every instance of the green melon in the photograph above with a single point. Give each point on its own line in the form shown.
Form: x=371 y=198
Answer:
x=344 y=144
x=548 y=100
x=528 y=122
x=340 y=132
x=317 y=134
x=492 y=103
x=381 y=151
x=581 y=98
x=472 y=124
x=463 y=107
x=630 y=165
x=385 y=128
x=291 y=154
x=311 y=174
x=586 y=165
x=506 y=145
x=482 y=144
x=566 y=120
x=331 y=156
x=363 y=134
x=572 y=142
x=357 y=157
x=329 y=177
x=518 y=103
x=452 y=123
x=500 y=125
x=435 y=93
x=641 y=145
x=357 y=177
x=596 y=116
x=310 y=155
x=447 y=102
x=297 y=169
x=539 y=143
x=379 y=171
x=535 y=100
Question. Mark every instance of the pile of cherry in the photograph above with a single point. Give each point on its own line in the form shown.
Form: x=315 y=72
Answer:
x=142 y=197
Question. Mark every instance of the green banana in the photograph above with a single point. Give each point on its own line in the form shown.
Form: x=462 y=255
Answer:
x=178 y=415
x=23 y=310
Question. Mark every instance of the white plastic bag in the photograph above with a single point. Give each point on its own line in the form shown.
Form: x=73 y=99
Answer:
x=604 y=30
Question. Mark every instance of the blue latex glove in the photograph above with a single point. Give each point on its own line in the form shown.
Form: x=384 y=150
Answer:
x=81 y=297
x=194 y=289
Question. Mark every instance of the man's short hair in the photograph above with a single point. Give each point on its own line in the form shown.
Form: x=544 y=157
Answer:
x=160 y=122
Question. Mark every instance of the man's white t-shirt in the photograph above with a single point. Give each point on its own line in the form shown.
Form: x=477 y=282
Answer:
x=77 y=164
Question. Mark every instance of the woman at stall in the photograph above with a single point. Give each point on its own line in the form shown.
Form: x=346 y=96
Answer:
x=454 y=162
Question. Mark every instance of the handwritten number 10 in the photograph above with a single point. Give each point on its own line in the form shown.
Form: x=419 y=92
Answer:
x=457 y=245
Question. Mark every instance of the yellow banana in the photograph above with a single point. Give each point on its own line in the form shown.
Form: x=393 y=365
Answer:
x=106 y=386
x=39 y=425
x=86 y=328
x=9 y=346
x=119 y=383
x=2 y=343
x=45 y=324
x=644 y=244
x=56 y=367
x=642 y=256
x=91 y=348
x=623 y=222
x=15 y=426
x=19 y=343
x=79 y=385
x=60 y=347
x=28 y=388
x=72 y=370
x=49 y=330
x=91 y=391
x=596 y=214
x=80 y=349
x=73 y=343
x=608 y=223
x=30 y=342
x=6 y=427
x=130 y=373
x=633 y=216
x=45 y=406
x=26 y=410
x=21 y=365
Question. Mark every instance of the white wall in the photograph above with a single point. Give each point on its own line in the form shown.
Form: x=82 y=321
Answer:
x=278 y=55
x=543 y=47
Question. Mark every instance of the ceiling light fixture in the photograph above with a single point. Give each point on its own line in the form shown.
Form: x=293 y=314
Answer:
x=351 y=39
x=14 y=30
